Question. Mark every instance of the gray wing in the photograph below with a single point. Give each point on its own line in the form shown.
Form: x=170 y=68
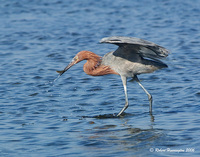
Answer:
x=135 y=45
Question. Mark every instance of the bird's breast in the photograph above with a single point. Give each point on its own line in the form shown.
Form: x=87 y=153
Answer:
x=97 y=69
x=127 y=67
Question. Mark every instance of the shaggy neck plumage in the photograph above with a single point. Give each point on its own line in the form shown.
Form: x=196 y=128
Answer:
x=93 y=65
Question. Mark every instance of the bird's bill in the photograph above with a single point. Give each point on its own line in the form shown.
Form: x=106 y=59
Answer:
x=74 y=61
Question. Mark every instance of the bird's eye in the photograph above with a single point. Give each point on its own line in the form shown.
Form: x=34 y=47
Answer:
x=76 y=58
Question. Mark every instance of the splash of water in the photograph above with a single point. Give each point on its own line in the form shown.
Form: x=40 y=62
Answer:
x=56 y=78
x=51 y=84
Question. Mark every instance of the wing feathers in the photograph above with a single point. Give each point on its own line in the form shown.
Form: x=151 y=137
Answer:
x=143 y=47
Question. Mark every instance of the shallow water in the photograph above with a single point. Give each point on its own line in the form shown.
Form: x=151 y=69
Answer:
x=75 y=115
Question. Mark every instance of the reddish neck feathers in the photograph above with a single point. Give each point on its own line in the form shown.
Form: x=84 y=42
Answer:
x=93 y=65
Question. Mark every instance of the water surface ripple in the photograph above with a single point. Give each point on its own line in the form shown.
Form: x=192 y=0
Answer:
x=75 y=115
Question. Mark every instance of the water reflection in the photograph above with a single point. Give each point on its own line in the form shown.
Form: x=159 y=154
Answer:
x=123 y=135
x=114 y=115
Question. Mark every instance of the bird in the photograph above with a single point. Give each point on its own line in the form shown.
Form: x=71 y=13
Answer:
x=134 y=56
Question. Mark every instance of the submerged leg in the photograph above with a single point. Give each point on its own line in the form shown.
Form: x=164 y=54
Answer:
x=149 y=95
x=126 y=96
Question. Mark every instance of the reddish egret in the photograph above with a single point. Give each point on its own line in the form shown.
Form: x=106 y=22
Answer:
x=134 y=56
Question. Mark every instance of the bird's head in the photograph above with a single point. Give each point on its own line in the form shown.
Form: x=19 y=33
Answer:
x=82 y=55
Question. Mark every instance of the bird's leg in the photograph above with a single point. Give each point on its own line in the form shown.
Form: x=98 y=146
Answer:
x=126 y=96
x=149 y=95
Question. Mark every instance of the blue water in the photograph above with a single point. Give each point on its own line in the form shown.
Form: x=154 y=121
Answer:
x=73 y=116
